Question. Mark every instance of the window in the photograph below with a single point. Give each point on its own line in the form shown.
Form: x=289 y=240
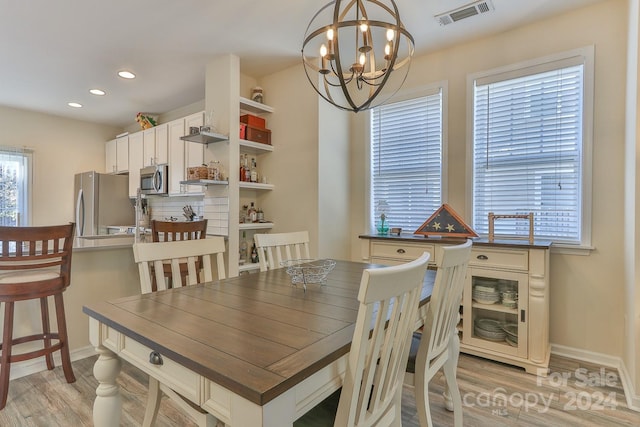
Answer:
x=407 y=159
x=530 y=148
x=15 y=166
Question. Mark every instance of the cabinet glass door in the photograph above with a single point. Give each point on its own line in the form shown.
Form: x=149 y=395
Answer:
x=495 y=311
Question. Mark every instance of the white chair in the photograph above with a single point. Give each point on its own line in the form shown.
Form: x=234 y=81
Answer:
x=372 y=388
x=277 y=247
x=439 y=345
x=176 y=253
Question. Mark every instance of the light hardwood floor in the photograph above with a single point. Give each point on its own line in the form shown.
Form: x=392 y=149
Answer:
x=586 y=396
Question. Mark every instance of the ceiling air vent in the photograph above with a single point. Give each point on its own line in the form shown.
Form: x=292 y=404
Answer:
x=467 y=11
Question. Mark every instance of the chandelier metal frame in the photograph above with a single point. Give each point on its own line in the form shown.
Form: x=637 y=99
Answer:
x=326 y=72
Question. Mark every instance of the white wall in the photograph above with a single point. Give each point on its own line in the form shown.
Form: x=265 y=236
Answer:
x=587 y=292
x=293 y=166
x=62 y=148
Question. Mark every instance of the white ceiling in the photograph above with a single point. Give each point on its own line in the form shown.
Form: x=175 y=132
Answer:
x=53 y=52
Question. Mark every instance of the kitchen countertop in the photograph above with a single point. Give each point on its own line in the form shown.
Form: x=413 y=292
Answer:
x=109 y=241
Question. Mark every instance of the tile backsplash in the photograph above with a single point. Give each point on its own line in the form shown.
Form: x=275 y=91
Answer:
x=214 y=209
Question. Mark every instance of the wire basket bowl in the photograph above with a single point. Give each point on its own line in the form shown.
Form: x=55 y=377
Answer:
x=306 y=271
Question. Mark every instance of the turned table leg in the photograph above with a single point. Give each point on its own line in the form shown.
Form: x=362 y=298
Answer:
x=107 y=408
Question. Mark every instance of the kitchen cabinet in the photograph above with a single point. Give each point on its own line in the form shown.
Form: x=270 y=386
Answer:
x=136 y=155
x=162 y=144
x=175 y=130
x=122 y=154
x=149 y=147
x=505 y=305
x=110 y=157
x=193 y=152
x=117 y=155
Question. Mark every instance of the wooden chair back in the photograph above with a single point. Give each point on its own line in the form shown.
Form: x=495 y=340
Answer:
x=274 y=248
x=35 y=261
x=174 y=253
x=372 y=388
x=168 y=231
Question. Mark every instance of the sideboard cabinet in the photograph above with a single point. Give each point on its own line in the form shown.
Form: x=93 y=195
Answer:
x=504 y=314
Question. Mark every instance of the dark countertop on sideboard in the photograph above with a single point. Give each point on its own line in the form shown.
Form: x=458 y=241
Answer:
x=477 y=241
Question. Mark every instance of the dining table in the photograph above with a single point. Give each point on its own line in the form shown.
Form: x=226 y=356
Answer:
x=251 y=350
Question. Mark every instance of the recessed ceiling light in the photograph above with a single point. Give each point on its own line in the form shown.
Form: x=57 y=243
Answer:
x=74 y=105
x=98 y=92
x=126 y=74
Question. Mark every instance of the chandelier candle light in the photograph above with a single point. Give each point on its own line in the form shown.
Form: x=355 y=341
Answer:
x=362 y=49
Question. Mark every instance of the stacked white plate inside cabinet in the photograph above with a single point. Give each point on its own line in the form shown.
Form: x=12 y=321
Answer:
x=485 y=292
x=489 y=329
x=511 y=333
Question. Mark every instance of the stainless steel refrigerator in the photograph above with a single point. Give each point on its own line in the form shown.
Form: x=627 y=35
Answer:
x=102 y=200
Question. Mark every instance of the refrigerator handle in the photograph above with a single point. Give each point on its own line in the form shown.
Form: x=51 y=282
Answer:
x=80 y=214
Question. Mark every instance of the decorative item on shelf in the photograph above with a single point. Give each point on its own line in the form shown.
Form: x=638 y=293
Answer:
x=381 y=213
x=258 y=135
x=493 y=217
x=197 y=172
x=146 y=121
x=445 y=222
x=194 y=130
x=213 y=171
x=369 y=31
x=255 y=121
x=243 y=131
x=396 y=230
x=257 y=95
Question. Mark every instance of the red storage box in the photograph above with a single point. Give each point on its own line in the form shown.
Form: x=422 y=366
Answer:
x=255 y=121
x=258 y=135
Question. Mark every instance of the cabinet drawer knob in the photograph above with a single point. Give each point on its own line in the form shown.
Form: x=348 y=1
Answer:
x=155 y=358
x=482 y=257
x=401 y=251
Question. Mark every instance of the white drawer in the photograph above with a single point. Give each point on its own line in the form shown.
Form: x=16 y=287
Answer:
x=170 y=373
x=401 y=251
x=512 y=259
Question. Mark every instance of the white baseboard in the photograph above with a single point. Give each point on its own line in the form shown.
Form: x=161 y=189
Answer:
x=28 y=367
x=631 y=394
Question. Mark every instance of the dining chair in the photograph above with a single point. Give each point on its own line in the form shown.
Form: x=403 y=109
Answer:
x=169 y=231
x=35 y=263
x=438 y=346
x=273 y=248
x=175 y=253
x=372 y=387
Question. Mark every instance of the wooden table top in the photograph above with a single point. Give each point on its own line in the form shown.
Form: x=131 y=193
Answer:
x=255 y=334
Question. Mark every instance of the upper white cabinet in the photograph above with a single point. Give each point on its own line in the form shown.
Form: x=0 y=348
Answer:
x=117 y=155
x=136 y=153
x=122 y=154
x=193 y=151
x=162 y=144
x=175 y=130
x=149 y=147
x=110 y=157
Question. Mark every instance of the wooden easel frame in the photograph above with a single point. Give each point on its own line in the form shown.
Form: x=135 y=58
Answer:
x=493 y=217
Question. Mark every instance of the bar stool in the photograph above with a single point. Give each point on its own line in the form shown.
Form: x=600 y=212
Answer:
x=35 y=262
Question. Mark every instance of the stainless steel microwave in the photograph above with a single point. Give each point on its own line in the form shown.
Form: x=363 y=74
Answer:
x=155 y=180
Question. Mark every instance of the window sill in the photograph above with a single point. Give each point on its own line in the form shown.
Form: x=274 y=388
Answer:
x=564 y=249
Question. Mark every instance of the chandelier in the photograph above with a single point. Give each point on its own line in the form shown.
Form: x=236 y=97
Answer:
x=357 y=52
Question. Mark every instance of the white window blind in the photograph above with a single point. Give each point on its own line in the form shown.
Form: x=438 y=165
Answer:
x=527 y=153
x=406 y=160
